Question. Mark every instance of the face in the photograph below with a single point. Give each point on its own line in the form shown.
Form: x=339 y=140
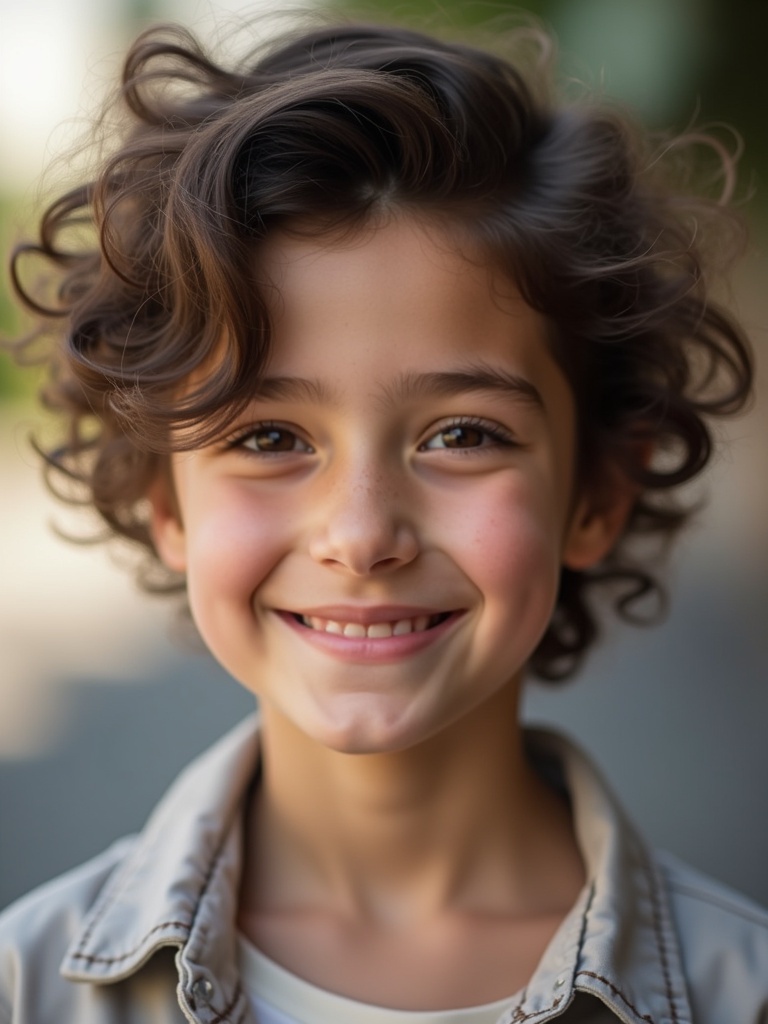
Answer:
x=375 y=546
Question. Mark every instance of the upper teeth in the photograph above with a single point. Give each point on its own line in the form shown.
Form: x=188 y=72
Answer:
x=375 y=630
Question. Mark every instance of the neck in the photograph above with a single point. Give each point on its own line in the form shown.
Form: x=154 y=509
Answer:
x=461 y=822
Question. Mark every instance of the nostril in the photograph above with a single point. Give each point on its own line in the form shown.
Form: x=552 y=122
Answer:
x=386 y=563
x=363 y=544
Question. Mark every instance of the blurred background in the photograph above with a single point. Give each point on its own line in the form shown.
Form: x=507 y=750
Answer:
x=99 y=708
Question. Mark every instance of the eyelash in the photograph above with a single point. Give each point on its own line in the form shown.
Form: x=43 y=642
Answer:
x=498 y=435
x=236 y=442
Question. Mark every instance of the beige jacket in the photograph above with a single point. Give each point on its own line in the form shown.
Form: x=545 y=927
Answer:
x=145 y=933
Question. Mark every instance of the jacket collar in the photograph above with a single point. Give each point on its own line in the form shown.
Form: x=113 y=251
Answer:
x=178 y=884
x=178 y=887
x=618 y=943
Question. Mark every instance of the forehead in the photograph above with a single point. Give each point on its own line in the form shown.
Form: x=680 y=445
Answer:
x=395 y=293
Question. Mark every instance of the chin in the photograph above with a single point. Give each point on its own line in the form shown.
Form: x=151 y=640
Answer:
x=369 y=731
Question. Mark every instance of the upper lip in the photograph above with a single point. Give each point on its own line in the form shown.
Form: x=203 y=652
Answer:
x=366 y=616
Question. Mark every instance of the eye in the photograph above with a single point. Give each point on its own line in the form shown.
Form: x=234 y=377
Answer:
x=466 y=434
x=270 y=438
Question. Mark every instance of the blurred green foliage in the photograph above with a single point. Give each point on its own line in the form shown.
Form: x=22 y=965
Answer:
x=15 y=382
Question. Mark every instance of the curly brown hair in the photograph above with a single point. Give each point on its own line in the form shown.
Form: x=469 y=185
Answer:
x=323 y=127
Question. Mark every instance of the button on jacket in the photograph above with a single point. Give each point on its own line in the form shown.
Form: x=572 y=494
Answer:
x=146 y=932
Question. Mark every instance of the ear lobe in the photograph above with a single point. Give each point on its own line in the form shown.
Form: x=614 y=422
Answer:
x=597 y=523
x=165 y=524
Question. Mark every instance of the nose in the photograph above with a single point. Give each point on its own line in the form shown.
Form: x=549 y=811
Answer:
x=362 y=526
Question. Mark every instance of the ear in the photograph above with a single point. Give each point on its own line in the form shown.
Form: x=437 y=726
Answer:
x=598 y=521
x=165 y=523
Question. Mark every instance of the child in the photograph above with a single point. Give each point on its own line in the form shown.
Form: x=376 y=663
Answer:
x=389 y=359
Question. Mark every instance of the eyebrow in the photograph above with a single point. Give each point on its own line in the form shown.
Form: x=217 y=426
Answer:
x=479 y=377
x=294 y=388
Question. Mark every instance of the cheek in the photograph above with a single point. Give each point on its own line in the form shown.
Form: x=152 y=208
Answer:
x=232 y=546
x=505 y=537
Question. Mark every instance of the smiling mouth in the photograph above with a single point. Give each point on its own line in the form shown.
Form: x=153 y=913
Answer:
x=374 y=630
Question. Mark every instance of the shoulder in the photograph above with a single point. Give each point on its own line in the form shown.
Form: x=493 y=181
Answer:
x=723 y=941
x=36 y=931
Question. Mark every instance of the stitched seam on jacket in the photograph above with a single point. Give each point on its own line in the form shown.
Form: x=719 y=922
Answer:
x=107 y=897
x=209 y=876
x=125 y=956
x=223 y=1015
x=201 y=896
x=617 y=992
x=176 y=924
x=656 y=910
x=517 y=1014
x=614 y=989
x=585 y=918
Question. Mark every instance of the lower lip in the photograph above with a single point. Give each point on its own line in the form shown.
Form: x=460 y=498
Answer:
x=365 y=649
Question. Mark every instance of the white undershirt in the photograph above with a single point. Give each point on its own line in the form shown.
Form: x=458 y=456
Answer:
x=280 y=997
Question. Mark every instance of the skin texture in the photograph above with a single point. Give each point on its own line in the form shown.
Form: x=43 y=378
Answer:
x=421 y=473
